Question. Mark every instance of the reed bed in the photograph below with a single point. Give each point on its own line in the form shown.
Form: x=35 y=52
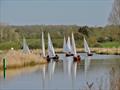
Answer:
x=115 y=51
x=16 y=59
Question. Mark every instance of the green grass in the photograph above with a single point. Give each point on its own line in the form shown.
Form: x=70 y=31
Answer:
x=110 y=44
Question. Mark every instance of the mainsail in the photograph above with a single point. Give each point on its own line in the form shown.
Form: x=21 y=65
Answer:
x=64 y=45
x=51 y=51
x=25 y=47
x=86 y=47
x=73 y=45
x=68 y=46
x=43 y=45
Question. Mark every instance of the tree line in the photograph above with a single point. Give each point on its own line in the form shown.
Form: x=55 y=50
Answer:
x=11 y=36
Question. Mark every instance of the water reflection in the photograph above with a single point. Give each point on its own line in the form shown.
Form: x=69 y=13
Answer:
x=74 y=69
x=87 y=62
x=51 y=69
x=43 y=76
x=63 y=75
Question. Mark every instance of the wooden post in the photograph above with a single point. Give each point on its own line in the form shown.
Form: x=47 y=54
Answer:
x=4 y=68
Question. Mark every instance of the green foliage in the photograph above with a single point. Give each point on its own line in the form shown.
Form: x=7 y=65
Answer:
x=11 y=36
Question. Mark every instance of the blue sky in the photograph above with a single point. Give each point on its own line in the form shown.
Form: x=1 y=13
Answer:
x=80 y=12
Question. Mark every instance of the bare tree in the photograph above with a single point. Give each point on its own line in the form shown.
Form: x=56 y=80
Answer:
x=114 y=17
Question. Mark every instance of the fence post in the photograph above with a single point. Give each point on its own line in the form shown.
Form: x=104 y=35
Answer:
x=4 y=68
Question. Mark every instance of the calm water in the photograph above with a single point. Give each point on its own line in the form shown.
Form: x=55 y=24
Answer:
x=93 y=70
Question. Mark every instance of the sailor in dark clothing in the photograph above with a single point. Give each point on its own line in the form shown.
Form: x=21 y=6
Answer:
x=48 y=58
x=78 y=58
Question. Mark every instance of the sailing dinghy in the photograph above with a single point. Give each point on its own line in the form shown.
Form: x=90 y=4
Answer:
x=75 y=57
x=68 y=48
x=26 y=49
x=86 y=48
x=51 y=51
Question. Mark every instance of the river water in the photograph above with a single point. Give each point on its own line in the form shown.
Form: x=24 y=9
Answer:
x=93 y=72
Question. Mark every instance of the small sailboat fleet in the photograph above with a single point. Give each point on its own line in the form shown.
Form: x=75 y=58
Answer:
x=70 y=48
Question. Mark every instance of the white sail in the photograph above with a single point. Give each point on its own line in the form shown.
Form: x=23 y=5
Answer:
x=86 y=47
x=43 y=45
x=73 y=45
x=25 y=47
x=51 y=51
x=68 y=46
x=64 y=45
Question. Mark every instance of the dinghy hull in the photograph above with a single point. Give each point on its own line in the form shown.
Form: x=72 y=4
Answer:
x=77 y=58
x=90 y=54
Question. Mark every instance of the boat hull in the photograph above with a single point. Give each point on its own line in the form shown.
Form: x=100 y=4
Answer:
x=77 y=58
x=67 y=55
x=55 y=58
x=90 y=54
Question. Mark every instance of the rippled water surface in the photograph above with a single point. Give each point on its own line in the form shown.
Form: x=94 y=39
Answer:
x=92 y=71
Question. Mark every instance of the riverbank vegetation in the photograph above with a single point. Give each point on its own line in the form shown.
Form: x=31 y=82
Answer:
x=17 y=59
x=11 y=36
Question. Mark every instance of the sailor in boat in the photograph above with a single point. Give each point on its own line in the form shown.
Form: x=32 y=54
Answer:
x=68 y=54
x=76 y=58
x=55 y=58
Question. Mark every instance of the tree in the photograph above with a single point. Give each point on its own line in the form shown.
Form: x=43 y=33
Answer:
x=114 y=17
x=84 y=30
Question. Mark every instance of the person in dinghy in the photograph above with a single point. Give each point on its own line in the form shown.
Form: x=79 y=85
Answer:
x=51 y=51
x=76 y=58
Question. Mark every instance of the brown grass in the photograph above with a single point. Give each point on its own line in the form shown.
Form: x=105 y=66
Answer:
x=19 y=59
x=96 y=50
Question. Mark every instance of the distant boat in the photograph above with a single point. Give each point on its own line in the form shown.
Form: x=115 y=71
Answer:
x=43 y=45
x=86 y=48
x=26 y=49
x=68 y=48
x=76 y=57
x=51 y=51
